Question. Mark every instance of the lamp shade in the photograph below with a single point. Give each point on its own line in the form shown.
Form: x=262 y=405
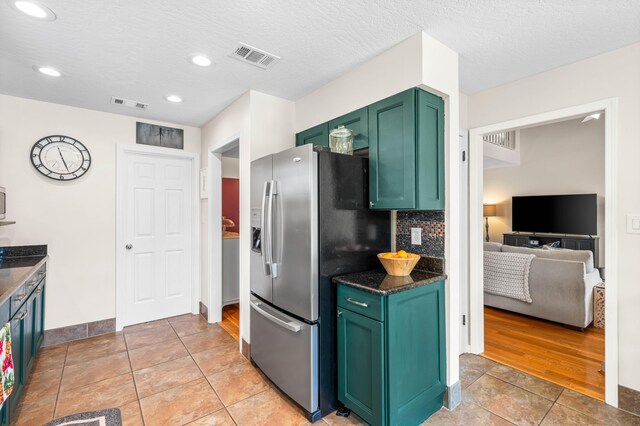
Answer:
x=489 y=210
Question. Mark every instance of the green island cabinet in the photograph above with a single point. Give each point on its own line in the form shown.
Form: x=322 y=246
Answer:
x=405 y=137
x=392 y=354
x=25 y=311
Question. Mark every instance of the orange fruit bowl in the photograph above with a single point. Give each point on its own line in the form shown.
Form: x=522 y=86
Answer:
x=398 y=264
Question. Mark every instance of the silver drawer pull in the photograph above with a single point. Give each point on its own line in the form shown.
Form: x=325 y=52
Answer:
x=355 y=302
x=20 y=298
x=38 y=291
x=21 y=317
x=288 y=325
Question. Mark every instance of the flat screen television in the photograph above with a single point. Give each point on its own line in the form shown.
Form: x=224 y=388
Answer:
x=556 y=214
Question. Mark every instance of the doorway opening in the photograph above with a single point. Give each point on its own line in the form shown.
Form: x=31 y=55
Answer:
x=224 y=236
x=532 y=338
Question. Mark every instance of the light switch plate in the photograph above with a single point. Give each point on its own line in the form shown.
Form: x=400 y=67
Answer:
x=416 y=236
x=633 y=223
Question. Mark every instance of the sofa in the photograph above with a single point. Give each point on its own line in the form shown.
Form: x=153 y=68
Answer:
x=561 y=285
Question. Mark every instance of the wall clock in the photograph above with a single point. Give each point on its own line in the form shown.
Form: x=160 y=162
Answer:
x=60 y=157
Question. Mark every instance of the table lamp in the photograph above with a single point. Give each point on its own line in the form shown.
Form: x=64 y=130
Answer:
x=488 y=210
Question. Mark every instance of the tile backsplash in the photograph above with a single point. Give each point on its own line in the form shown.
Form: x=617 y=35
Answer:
x=433 y=232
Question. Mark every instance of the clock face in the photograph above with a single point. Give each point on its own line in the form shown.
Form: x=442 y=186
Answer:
x=60 y=157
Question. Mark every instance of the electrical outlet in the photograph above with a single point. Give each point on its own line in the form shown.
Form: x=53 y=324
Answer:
x=416 y=236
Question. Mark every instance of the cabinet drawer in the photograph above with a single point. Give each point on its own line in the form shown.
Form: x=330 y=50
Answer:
x=361 y=302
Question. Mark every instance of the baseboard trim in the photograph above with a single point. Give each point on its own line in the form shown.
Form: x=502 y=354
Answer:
x=70 y=333
x=246 y=349
x=452 y=396
x=629 y=400
x=204 y=311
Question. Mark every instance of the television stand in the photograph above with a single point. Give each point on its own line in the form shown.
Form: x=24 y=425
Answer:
x=571 y=242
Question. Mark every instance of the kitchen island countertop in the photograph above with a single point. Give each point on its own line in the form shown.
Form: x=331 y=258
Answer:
x=377 y=281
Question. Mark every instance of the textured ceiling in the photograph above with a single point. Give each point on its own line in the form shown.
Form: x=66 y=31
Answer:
x=138 y=49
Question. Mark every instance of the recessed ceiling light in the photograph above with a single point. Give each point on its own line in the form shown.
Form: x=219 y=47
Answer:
x=51 y=72
x=200 y=60
x=173 y=98
x=33 y=8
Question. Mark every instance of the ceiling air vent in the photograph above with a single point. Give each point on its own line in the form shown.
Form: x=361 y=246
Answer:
x=128 y=103
x=253 y=56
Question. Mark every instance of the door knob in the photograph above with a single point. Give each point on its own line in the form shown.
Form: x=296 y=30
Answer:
x=128 y=246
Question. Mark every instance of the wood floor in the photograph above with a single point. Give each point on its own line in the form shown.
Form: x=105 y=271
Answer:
x=231 y=320
x=547 y=350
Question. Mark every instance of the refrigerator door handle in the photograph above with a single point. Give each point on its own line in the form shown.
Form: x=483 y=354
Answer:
x=272 y=193
x=288 y=325
x=263 y=229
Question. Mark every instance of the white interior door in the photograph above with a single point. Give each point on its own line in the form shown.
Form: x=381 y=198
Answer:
x=158 y=236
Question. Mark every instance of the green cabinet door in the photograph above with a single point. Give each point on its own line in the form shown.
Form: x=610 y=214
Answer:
x=358 y=121
x=430 y=152
x=392 y=152
x=361 y=365
x=416 y=353
x=39 y=320
x=318 y=135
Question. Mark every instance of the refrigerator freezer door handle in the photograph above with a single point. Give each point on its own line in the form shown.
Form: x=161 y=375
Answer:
x=272 y=193
x=263 y=229
x=288 y=325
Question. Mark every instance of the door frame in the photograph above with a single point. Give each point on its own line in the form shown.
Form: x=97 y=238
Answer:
x=476 y=189
x=159 y=152
x=464 y=242
x=214 y=234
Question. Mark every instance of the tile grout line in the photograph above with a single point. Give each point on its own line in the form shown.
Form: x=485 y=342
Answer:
x=546 y=414
x=133 y=379
x=201 y=372
x=521 y=388
x=64 y=365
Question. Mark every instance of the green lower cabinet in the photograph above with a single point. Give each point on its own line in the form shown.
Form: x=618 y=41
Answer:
x=360 y=363
x=393 y=371
x=318 y=135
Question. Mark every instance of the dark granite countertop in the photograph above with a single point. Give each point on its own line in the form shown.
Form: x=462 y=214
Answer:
x=14 y=271
x=377 y=281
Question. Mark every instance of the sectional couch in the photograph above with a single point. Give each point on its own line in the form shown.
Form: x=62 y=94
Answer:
x=561 y=285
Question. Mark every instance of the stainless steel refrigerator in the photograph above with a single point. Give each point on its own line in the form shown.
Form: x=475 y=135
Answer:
x=310 y=221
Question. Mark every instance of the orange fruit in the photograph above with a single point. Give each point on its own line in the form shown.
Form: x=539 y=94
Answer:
x=401 y=254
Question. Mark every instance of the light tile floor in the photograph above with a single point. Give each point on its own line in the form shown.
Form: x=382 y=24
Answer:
x=185 y=371
x=494 y=394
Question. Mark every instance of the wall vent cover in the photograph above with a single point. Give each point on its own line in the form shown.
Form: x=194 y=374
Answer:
x=254 y=56
x=128 y=103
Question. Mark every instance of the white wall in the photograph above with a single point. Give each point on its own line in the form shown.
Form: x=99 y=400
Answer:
x=391 y=72
x=611 y=75
x=464 y=116
x=264 y=124
x=76 y=219
x=230 y=167
x=559 y=158
x=232 y=122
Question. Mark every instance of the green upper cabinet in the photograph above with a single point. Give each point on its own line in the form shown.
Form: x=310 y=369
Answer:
x=318 y=135
x=430 y=151
x=392 y=153
x=358 y=121
x=406 y=152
